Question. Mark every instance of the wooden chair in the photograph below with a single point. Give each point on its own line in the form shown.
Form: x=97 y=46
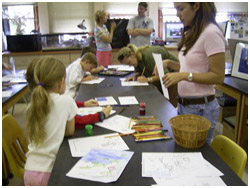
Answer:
x=231 y=153
x=14 y=145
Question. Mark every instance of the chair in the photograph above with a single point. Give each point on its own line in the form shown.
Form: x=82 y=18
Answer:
x=14 y=145
x=231 y=153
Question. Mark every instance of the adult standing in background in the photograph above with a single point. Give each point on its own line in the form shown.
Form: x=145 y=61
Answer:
x=202 y=62
x=103 y=38
x=140 y=27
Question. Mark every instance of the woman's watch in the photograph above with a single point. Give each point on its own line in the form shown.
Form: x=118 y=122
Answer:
x=102 y=116
x=190 y=77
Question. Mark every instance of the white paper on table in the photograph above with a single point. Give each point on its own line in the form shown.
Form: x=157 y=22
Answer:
x=122 y=67
x=91 y=110
x=104 y=101
x=117 y=123
x=95 y=81
x=190 y=181
x=177 y=165
x=6 y=93
x=81 y=146
x=128 y=100
x=158 y=62
x=15 y=78
x=101 y=165
x=133 y=83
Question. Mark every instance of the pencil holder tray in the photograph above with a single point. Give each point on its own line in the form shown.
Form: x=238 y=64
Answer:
x=190 y=131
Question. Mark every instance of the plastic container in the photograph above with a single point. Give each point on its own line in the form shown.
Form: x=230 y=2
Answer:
x=89 y=130
x=13 y=66
x=142 y=109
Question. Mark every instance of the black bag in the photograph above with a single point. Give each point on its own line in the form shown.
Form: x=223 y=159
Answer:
x=120 y=37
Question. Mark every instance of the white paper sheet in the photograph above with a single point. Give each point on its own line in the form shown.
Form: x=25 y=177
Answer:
x=158 y=62
x=101 y=165
x=15 y=78
x=117 y=123
x=95 y=81
x=104 y=101
x=6 y=93
x=177 y=165
x=122 y=68
x=190 y=181
x=128 y=100
x=81 y=146
x=133 y=83
x=91 y=110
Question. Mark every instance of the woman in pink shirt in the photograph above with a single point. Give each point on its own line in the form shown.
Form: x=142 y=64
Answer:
x=202 y=62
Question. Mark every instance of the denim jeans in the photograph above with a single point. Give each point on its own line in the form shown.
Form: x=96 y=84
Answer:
x=208 y=110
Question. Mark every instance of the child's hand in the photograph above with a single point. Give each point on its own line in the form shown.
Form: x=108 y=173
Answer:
x=142 y=79
x=112 y=25
x=107 y=110
x=90 y=77
x=91 y=102
x=97 y=70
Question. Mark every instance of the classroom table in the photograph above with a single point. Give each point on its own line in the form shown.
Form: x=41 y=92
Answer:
x=156 y=105
x=18 y=92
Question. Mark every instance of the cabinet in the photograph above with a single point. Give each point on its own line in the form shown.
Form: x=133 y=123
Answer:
x=238 y=115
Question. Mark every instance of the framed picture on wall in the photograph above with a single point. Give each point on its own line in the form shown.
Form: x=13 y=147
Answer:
x=240 y=63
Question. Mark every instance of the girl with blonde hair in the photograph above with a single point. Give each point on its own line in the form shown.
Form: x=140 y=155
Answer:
x=50 y=117
x=103 y=38
x=142 y=59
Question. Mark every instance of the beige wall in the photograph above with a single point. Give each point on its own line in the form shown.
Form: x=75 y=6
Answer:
x=57 y=17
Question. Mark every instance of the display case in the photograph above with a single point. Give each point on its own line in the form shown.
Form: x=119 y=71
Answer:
x=65 y=41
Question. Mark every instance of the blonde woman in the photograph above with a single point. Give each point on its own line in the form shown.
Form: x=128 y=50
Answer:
x=143 y=61
x=49 y=118
x=103 y=38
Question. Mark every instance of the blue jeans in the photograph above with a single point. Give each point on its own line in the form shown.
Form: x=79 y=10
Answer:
x=208 y=110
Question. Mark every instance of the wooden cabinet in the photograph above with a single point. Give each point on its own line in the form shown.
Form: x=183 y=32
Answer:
x=238 y=115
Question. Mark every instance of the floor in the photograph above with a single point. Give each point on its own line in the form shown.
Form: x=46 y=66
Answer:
x=19 y=114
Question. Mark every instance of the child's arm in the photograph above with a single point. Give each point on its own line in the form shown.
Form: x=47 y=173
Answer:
x=70 y=127
x=97 y=69
x=91 y=102
x=88 y=78
x=81 y=121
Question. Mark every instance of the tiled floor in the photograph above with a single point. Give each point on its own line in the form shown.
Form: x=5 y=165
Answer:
x=19 y=114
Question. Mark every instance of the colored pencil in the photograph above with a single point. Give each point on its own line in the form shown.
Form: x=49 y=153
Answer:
x=125 y=134
x=129 y=122
x=143 y=71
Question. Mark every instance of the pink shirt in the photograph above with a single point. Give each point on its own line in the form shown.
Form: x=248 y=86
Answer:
x=210 y=42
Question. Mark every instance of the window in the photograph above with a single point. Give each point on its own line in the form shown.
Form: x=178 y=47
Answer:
x=19 y=19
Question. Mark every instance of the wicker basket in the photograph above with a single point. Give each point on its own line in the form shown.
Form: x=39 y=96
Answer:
x=190 y=131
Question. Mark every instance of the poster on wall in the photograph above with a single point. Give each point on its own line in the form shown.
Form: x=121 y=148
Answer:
x=240 y=63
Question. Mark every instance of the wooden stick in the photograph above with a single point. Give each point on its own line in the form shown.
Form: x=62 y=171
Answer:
x=143 y=71
x=125 y=134
x=129 y=122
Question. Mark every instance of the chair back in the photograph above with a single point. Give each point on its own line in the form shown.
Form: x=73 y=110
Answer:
x=14 y=145
x=231 y=153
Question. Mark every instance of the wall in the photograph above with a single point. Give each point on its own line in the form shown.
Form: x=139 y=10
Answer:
x=43 y=17
x=64 y=16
